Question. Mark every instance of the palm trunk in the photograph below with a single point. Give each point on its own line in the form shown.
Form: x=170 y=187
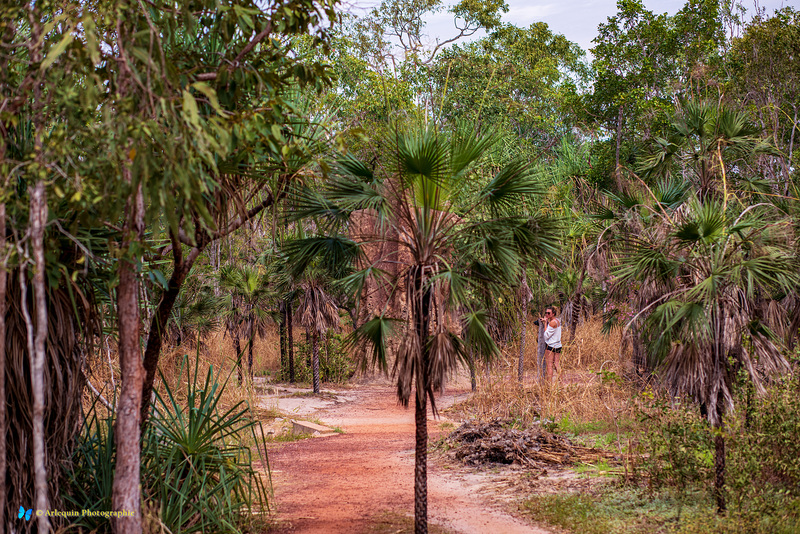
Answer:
x=421 y=465
x=523 y=333
x=282 y=335
x=250 y=352
x=237 y=347
x=617 y=169
x=290 y=330
x=422 y=320
x=473 y=379
x=2 y=364
x=315 y=360
x=540 y=349
x=308 y=344
x=38 y=218
x=576 y=305
x=719 y=460
x=126 y=494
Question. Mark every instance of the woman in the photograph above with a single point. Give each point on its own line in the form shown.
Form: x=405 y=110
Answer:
x=552 y=339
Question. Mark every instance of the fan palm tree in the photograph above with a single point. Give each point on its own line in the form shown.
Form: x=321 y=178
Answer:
x=318 y=313
x=702 y=141
x=248 y=311
x=456 y=239
x=707 y=273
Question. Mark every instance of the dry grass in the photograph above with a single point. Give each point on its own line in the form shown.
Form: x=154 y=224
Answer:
x=216 y=352
x=587 y=393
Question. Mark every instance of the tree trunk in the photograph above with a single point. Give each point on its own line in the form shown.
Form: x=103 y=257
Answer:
x=126 y=493
x=308 y=344
x=617 y=170
x=250 y=352
x=38 y=220
x=290 y=340
x=473 y=379
x=422 y=321
x=540 y=349
x=523 y=332
x=576 y=305
x=315 y=360
x=421 y=465
x=3 y=419
x=719 y=460
x=282 y=336
x=237 y=347
x=158 y=324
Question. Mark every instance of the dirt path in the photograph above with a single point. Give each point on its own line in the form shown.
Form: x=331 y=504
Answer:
x=345 y=483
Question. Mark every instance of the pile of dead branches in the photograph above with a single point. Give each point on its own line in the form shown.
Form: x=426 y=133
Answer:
x=496 y=441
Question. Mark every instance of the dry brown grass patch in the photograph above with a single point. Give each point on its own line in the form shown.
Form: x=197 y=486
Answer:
x=588 y=390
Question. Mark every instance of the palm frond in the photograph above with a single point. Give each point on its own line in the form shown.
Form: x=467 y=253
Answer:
x=511 y=187
x=329 y=250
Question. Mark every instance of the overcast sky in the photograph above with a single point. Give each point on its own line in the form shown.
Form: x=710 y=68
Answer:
x=576 y=19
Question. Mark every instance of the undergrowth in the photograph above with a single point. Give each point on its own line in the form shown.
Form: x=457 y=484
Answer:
x=204 y=466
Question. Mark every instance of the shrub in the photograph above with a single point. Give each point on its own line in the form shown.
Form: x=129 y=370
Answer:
x=678 y=446
x=197 y=466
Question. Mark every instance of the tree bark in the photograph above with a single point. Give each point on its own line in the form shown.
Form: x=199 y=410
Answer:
x=3 y=418
x=237 y=347
x=290 y=339
x=473 y=379
x=315 y=360
x=126 y=492
x=422 y=320
x=576 y=305
x=719 y=461
x=421 y=465
x=38 y=220
x=617 y=173
x=282 y=335
x=520 y=369
x=250 y=351
x=540 y=349
x=158 y=325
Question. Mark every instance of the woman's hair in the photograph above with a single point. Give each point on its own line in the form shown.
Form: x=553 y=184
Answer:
x=552 y=309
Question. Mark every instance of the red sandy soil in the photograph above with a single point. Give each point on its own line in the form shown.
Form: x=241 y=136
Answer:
x=347 y=482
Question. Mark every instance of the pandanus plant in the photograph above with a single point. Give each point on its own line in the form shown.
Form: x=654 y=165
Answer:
x=455 y=234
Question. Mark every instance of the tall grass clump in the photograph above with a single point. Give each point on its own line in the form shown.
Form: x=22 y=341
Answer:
x=199 y=469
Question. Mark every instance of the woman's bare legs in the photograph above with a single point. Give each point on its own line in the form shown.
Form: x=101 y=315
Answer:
x=551 y=358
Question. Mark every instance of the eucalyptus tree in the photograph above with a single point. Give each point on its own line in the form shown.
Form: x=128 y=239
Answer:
x=456 y=239
x=154 y=114
x=764 y=70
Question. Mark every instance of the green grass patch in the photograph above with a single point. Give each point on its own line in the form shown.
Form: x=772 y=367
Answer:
x=634 y=510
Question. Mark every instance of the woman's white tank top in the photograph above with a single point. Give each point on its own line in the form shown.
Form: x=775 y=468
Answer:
x=552 y=336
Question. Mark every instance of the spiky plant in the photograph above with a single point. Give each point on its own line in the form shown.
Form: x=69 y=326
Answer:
x=454 y=238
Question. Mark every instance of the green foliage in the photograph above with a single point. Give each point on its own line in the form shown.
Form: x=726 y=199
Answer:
x=763 y=462
x=677 y=445
x=199 y=473
x=336 y=365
